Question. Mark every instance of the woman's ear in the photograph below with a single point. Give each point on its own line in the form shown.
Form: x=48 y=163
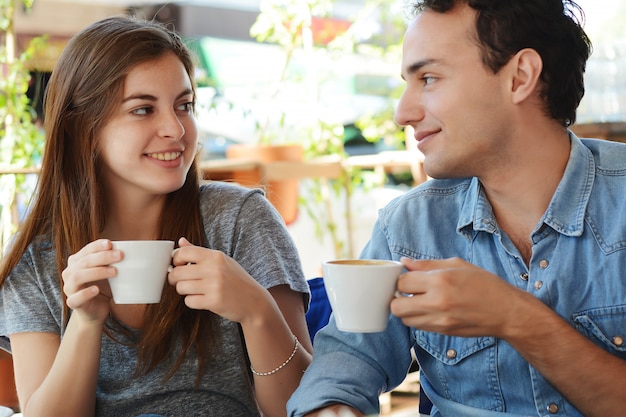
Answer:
x=525 y=69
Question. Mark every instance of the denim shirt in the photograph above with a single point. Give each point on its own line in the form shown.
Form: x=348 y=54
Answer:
x=578 y=268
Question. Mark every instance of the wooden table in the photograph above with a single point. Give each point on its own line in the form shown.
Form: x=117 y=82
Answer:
x=17 y=171
x=331 y=167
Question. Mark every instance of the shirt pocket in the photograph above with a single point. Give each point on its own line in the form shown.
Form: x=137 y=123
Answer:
x=449 y=363
x=605 y=326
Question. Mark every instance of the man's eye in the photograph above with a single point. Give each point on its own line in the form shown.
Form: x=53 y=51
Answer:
x=428 y=80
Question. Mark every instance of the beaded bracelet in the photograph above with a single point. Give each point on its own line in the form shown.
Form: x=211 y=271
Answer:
x=281 y=366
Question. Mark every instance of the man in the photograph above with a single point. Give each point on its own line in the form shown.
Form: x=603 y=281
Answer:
x=515 y=253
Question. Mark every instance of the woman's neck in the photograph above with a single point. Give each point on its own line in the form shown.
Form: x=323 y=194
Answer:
x=133 y=220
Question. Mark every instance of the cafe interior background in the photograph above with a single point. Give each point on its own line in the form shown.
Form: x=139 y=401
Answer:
x=362 y=84
x=353 y=46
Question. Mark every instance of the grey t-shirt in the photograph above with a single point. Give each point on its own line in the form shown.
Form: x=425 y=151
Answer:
x=238 y=222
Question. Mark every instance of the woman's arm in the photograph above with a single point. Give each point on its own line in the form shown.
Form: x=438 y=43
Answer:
x=211 y=280
x=56 y=378
x=270 y=343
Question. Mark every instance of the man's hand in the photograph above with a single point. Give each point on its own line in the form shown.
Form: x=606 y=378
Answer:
x=456 y=298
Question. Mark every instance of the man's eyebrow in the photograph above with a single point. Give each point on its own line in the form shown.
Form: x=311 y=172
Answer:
x=415 y=67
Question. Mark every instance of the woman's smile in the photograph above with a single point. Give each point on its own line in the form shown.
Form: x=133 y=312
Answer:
x=164 y=156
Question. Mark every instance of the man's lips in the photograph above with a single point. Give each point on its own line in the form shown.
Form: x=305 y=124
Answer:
x=421 y=135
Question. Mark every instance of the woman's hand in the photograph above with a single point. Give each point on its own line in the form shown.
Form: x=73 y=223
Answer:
x=211 y=280
x=84 y=280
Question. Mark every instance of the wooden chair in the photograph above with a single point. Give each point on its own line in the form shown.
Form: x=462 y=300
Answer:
x=8 y=395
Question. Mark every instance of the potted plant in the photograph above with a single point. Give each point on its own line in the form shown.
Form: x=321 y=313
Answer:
x=281 y=134
x=288 y=26
x=315 y=45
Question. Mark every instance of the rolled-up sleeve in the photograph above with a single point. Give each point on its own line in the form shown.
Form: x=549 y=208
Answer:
x=353 y=368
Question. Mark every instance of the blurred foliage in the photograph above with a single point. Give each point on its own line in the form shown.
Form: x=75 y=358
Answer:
x=21 y=140
x=288 y=23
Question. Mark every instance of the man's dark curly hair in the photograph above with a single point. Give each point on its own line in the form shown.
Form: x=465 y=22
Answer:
x=553 y=28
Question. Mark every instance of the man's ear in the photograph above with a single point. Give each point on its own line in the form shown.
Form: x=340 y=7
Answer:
x=525 y=70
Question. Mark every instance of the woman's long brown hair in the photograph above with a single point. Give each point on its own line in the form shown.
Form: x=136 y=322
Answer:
x=68 y=205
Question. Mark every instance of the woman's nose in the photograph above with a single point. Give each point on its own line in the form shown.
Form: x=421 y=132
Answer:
x=170 y=126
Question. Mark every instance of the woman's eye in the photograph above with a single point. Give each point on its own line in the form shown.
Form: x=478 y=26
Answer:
x=142 y=111
x=186 y=107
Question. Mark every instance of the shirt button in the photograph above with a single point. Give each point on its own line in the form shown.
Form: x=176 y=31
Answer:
x=538 y=285
x=524 y=276
x=618 y=341
x=553 y=408
x=451 y=353
x=543 y=264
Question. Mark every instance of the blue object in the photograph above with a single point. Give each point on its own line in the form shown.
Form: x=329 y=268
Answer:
x=319 y=308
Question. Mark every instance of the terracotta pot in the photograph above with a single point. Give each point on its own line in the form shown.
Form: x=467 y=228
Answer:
x=8 y=395
x=282 y=194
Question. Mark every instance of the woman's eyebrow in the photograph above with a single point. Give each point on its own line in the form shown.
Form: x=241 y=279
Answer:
x=150 y=97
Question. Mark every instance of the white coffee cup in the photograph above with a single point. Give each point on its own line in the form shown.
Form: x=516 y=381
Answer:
x=142 y=271
x=360 y=292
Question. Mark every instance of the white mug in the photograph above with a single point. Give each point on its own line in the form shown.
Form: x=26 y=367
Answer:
x=142 y=272
x=360 y=292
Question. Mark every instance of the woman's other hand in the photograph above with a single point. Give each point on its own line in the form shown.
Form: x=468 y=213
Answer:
x=211 y=280
x=85 y=280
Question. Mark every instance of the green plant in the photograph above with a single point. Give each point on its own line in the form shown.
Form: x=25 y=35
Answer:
x=288 y=23
x=385 y=45
x=21 y=141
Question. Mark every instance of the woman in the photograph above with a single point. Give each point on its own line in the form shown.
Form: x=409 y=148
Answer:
x=229 y=337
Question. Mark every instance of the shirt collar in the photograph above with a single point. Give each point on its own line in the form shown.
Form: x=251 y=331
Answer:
x=566 y=211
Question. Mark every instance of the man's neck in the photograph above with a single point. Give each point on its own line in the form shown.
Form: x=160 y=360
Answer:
x=521 y=192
